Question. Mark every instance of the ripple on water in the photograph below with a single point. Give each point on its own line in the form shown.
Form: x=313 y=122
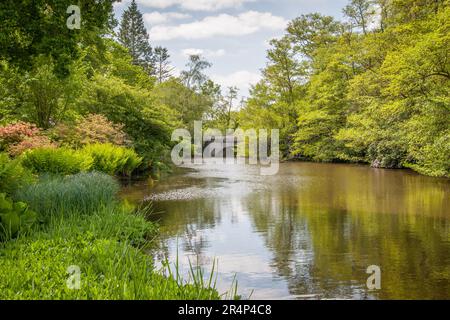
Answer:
x=184 y=194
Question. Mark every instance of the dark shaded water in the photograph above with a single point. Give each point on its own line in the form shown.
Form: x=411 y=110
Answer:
x=310 y=231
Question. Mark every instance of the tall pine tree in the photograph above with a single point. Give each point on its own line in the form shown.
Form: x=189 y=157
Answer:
x=133 y=35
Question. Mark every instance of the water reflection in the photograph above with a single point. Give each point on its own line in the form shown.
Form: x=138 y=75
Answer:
x=310 y=231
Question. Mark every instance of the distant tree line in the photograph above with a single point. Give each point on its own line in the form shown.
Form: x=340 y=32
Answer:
x=373 y=88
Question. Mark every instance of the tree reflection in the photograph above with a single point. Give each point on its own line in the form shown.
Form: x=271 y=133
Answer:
x=318 y=227
x=325 y=233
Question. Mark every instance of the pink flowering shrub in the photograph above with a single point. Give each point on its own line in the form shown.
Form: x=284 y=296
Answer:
x=21 y=136
x=30 y=144
x=93 y=128
x=15 y=133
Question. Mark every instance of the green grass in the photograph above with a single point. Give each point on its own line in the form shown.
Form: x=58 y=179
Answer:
x=106 y=246
x=81 y=194
x=109 y=270
x=110 y=222
x=106 y=240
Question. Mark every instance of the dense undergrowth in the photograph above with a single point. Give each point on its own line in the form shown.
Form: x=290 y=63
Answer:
x=82 y=225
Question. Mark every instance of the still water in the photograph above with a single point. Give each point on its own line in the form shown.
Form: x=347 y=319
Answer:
x=309 y=232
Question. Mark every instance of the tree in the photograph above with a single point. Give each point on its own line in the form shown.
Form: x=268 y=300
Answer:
x=29 y=29
x=146 y=121
x=133 y=36
x=361 y=13
x=378 y=97
x=383 y=10
x=162 y=64
x=283 y=72
x=188 y=104
x=405 y=11
x=40 y=95
x=222 y=113
x=119 y=63
x=308 y=32
x=230 y=97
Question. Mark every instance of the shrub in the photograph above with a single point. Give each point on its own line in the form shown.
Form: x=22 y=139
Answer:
x=113 y=159
x=17 y=132
x=143 y=117
x=91 y=129
x=15 y=217
x=58 y=161
x=31 y=143
x=80 y=194
x=386 y=154
x=21 y=136
x=12 y=175
x=433 y=159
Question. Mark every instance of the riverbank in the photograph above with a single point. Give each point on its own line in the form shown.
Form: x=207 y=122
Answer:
x=87 y=247
x=377 y=165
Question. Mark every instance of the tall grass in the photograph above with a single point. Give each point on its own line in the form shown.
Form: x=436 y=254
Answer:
x=81 y=194
x=198 y=278
x=105 y=246
x=87 y=227
x=109 y=270
x=111 y=222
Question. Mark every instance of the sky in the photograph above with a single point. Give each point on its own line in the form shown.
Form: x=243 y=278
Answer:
x=231 y=34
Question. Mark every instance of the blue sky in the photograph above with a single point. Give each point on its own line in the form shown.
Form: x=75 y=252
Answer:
x=231 y=34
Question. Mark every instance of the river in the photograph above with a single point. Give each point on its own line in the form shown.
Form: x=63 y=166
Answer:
x=309 y=232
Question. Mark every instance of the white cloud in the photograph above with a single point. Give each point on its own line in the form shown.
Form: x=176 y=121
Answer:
x=194 y=5
x=176 y=72
x=155 y=18
x=120 y=5
x=191 y=52
x=221 y=25
x=205 y=53
x=241 y=79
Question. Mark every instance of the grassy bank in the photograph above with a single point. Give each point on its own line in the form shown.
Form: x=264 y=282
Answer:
x=81 y=224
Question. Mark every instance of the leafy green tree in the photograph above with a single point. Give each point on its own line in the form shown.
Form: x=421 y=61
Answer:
x=147 y=122
x=222 y=115
x=360 y=13
x=48 y=98
x=230 y=98
x=189 y=105
x=119 y=63
x=308 y=32
x=284 y=72
x=378 y=96
x=29 y=29
x=406 y=11
x=39 y=95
